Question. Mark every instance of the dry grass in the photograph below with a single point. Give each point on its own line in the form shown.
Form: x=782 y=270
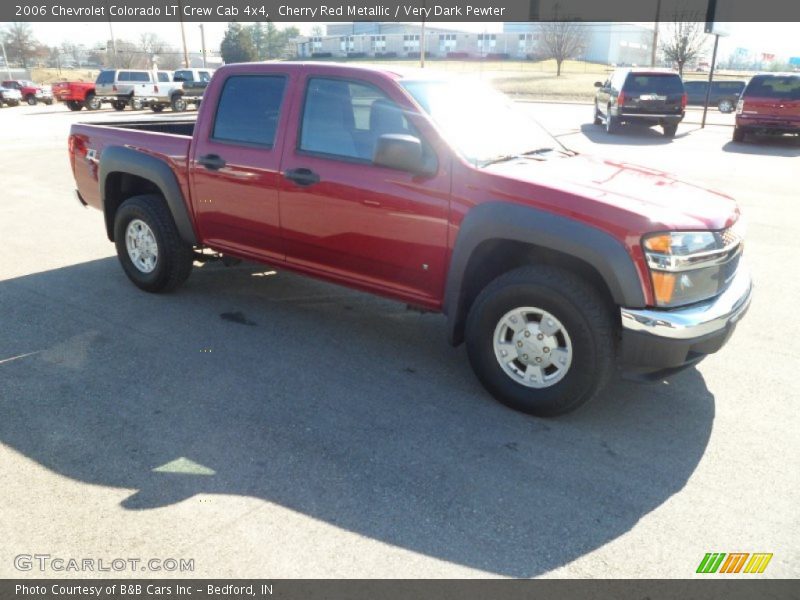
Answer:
x=56 y=75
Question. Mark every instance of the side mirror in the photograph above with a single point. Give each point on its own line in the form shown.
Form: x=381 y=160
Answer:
x=399 y=151
x=598 y=84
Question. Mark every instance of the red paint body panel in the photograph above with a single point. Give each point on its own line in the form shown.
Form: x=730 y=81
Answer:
x=378 y=229
x=66 y=91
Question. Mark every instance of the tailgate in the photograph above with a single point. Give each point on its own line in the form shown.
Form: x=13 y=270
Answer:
x=653 y=94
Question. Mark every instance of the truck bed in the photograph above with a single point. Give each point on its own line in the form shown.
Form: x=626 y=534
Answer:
x=166 y=139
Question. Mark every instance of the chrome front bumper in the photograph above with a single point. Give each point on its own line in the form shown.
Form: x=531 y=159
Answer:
x=699 y=320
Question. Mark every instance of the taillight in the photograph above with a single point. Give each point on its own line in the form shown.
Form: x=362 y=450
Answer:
x=114 y=88
x=155 y=88
x=684 y=100
x=740 y=106
x=621 y=99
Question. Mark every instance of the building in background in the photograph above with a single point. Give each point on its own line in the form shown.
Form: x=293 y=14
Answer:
x=606 y=43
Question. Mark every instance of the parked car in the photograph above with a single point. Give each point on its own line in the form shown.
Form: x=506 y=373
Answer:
x=769 y=104
x=31 y=92
x=76 y=95
x=724 y=94
x=553 y=267
x=119 y=87
x=195 y=82
x=10 y=97
x=648 y=96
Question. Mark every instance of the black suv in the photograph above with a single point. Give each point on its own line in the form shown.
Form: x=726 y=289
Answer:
x=650 y=96
x=724 y=94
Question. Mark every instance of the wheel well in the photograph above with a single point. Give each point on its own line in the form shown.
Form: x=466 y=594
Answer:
x=493 y=258
x=119 y=187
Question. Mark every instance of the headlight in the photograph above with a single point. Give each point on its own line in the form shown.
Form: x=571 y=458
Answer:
x=691 y=266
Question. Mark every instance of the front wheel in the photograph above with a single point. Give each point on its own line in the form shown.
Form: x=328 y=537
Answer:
x=74 y=105
x=540 y=340
x=119 y=105
x=726 y=105
x=31 y=100
x=597 y=119
x=157 y=108
x=136 y=103
x=149 y=247
x=92 y=102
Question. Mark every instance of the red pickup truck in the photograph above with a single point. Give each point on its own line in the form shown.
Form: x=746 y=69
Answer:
x=553 y=267
x=76 y=95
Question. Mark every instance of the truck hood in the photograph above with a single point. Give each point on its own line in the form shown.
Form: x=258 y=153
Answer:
x=603 y=187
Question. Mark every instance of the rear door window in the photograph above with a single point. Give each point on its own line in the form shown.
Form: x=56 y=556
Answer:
x=163 y=76
x=139 y=77
x=773 y=86
x=248 y=109
x=654 y=84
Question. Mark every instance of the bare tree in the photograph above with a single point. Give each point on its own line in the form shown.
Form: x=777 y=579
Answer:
x=683 y=42
x=561 y=40
x=21 y=45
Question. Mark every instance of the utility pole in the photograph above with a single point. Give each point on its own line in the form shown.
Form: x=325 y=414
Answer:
x=655 y=34
x=203 y=42
x=5 y=60
x=183 y=37
x=422 y=46
x=113 y=41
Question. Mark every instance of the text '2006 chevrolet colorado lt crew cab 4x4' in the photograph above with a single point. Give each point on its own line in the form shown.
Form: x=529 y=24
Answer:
x=555 y=268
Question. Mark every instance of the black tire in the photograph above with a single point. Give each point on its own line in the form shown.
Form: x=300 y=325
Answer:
x=178 y=103
x=157 y=108
x=585 y=317
x=597 y=120
x=31 y=100
x=726 y=105
x=174 y=262
x=738 y=134
x=92 y=102
x=612 y=124
x=670 y=129
x=119 y=105
x=74 y=105
x=48 y=102
x=14 y=103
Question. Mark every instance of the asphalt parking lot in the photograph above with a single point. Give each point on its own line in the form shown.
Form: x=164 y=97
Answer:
x=267 y=425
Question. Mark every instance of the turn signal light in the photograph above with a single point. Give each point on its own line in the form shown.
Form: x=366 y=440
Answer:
x=664 y=286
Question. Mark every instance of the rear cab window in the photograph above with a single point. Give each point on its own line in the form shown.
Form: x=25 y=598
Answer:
x=105 y=77
x=249 y=109
x=654 y=83
x=774 y=86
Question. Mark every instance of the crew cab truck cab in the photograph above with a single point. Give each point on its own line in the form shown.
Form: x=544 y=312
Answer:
x=552 y=267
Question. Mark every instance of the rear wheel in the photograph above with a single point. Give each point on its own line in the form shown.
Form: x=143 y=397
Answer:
x=136 y=103
x=540 y=340
x=738 y=134
x=670 y=129
x=612 y=124
x=92 y=102
x=157 y=108
x=31 y=99
x=597 y=119
x=178 y=103
x=152 y=253
x=74 y=105
x=119 y=104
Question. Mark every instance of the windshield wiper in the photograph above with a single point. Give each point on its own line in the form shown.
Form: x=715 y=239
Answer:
x=507 y=157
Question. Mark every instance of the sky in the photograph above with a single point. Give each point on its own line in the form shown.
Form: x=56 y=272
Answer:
x=778 y=38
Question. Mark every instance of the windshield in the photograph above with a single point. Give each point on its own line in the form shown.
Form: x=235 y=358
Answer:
x=480 y=122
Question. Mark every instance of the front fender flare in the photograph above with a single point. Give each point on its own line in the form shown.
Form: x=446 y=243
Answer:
x=518 y=223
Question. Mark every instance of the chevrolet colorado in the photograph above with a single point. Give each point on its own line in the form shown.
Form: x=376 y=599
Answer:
x=555 y=268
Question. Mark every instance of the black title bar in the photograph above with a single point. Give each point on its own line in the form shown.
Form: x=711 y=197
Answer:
x=394 y=10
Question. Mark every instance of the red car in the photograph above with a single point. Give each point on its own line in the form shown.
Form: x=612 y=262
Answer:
x=31 y=92
x=769 y=104
x=553 y=267
x=76 y=95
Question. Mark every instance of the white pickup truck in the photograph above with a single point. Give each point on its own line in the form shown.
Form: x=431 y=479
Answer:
x=136 y=88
